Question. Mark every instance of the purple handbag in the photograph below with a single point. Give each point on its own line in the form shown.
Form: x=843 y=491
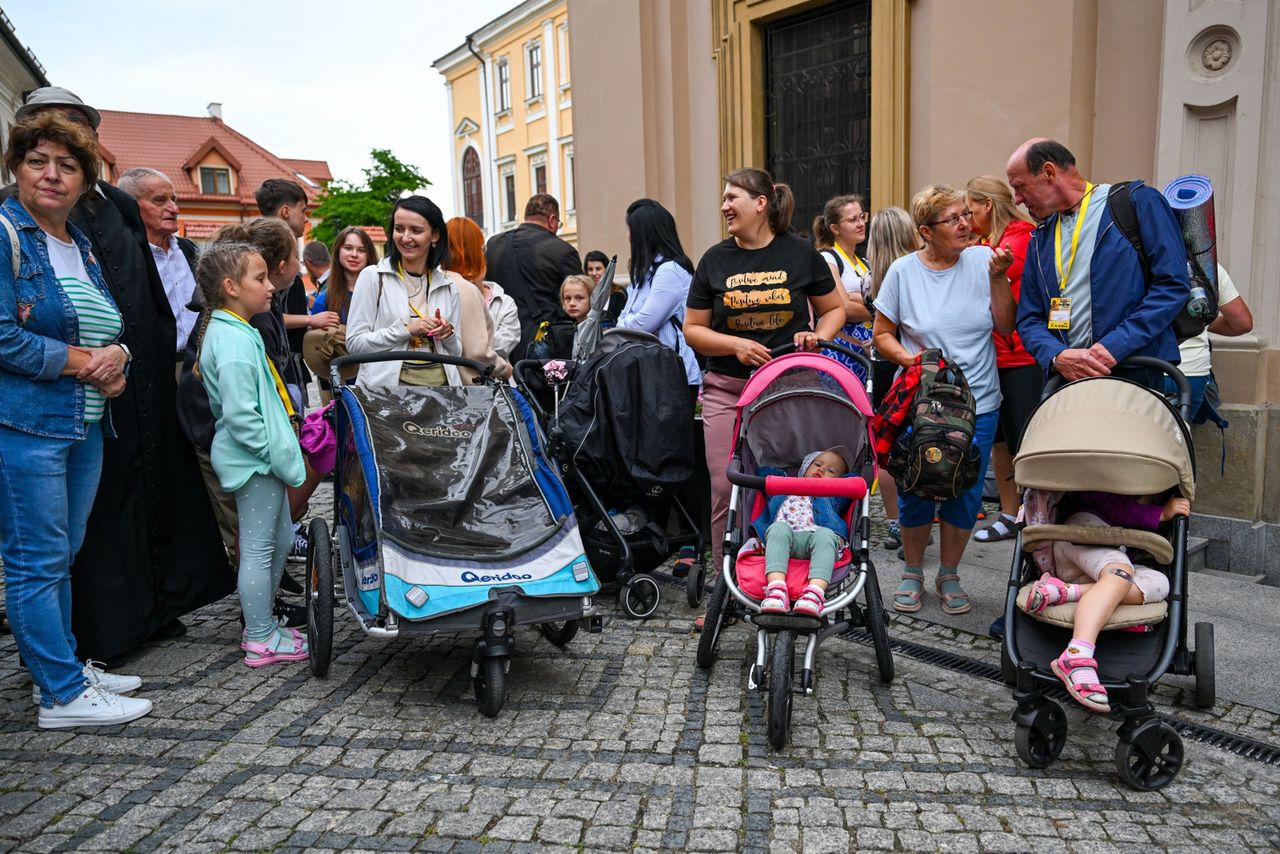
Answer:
x=318 y=439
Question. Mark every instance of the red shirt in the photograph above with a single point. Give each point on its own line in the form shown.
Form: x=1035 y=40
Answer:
x=1009 y=350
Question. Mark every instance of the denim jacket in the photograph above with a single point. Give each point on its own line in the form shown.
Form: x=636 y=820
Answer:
x=827 y=512
x=37 y=323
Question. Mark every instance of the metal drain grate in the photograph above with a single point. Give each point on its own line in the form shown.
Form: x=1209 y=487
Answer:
x=1240 y=745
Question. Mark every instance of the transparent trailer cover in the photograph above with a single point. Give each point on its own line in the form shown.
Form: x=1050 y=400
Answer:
x=445 y=500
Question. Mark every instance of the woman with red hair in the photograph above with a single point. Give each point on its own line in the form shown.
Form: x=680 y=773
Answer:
x=466 y=259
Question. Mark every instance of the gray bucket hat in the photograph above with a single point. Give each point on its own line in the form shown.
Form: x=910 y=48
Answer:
x=56 y=96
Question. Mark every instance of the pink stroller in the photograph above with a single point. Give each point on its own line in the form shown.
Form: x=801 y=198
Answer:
x=793 y=404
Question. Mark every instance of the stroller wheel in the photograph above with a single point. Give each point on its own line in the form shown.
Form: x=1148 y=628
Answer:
x=559 y=633
x=709 y=640
x=639 y=597
x=780 y=676
x=1206 y=683
x=695 y=585
x=1151 y=757
x=490 y=684
x=878 y=625
x=1041 y=742
x=319 y=592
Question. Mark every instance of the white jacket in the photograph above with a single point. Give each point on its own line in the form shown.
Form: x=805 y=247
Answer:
x=377 y=316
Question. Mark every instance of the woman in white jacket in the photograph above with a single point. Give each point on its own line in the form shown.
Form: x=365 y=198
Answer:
x=407 y=302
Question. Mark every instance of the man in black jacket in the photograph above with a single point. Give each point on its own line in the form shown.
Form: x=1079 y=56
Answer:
x=530 y=263
x=151 y=552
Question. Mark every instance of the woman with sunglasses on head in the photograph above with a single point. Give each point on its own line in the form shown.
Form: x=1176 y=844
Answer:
x=948 y=296
x=837 y=231
x=752 y=293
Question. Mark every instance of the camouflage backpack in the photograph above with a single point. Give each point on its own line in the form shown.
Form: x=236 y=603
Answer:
x=937 y=459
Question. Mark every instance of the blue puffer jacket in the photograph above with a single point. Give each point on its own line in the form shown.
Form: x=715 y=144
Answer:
x=827 y=512
x=1130 y=318
x=37 y=322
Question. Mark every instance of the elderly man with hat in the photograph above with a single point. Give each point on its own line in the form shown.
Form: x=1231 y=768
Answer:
x=151 y=551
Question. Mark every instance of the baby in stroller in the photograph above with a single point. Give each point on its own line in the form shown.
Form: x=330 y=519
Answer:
x=806 y=528
x=1100 y=578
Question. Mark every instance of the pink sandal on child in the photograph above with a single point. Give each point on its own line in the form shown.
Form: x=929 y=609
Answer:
x=270 y=653
x=811 y=602
x=776 y=600
x=1086 y=694
x=1047 y=592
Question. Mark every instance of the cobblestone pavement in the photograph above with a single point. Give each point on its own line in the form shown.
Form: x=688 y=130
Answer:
x=618 y=742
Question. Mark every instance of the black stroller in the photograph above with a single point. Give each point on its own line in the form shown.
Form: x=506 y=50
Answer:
x=621 y=427
x=1144 y=450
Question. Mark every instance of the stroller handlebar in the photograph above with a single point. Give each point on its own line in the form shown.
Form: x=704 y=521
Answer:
x=839 y=346
x=853 y=488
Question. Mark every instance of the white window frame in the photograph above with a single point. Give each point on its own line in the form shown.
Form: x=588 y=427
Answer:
x=502 y=86
x=533 y=77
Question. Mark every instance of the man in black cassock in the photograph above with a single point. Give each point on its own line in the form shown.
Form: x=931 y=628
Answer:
x=152 y=551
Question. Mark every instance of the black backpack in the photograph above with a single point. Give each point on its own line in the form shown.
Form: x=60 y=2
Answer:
x=1202 y=302
x=937 y=459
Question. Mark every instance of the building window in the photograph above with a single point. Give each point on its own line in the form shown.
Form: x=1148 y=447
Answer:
x=472 y=187
x=509 y=190
x=564 y=55
x=215 y=181
x=533 y=65
x=504 y=86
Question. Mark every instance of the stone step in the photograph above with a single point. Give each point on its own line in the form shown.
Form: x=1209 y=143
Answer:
x=1197 y=548
x=1233 y=576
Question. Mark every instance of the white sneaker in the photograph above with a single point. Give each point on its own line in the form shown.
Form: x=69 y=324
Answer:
x=95 y=707
x=116 y=683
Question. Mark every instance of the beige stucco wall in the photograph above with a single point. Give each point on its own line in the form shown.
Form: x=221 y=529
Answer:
x=646 y=118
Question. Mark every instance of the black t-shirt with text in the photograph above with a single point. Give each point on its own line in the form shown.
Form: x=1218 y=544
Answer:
x=759 y=294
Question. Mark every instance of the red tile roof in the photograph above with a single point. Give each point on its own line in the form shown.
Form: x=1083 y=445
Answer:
x=169 y=143
x=316 y=170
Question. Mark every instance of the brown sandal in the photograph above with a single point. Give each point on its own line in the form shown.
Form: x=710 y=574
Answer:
x=948 y=598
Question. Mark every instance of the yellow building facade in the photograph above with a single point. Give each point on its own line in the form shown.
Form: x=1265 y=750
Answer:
x=511 y=117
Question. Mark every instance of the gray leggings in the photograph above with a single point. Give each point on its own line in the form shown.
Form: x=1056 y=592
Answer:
x=820 y=546
x=266 y=535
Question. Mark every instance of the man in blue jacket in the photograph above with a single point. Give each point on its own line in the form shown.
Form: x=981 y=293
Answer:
x=1086 y=301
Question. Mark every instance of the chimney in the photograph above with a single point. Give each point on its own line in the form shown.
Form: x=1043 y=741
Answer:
x=215 y=110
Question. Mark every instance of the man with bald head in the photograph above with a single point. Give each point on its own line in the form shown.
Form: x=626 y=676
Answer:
x=1089 y=300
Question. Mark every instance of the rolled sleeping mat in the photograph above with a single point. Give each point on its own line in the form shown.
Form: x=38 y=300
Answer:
x=1191 y=197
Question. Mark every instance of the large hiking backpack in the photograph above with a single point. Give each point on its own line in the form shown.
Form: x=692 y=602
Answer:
x=1202 y=300
x=937 y=459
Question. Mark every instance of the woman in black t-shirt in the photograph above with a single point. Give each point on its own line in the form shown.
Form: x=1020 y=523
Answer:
x=752 y=293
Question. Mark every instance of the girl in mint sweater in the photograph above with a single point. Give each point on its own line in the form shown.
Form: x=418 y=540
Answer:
x=255 y=451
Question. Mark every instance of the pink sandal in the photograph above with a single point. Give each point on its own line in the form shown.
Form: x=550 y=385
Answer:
x=1045 y=593
x=269 y=653
x=776 y=600
x=1084 y=693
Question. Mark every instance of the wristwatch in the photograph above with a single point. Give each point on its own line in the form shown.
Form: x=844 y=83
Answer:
x=128 y=355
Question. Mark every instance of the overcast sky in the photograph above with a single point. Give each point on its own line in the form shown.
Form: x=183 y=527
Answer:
x=317 y=79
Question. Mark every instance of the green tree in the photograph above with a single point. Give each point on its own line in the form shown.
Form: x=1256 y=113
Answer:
x=344 y=204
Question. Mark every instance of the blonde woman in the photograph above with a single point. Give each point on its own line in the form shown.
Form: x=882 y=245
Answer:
x=951 y=296
x=999 y=223
x=892 y=234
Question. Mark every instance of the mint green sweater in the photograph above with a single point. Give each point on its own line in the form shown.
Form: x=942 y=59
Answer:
x=252 y=430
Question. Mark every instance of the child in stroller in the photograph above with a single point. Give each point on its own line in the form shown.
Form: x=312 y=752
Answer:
x=1100 y=578
x=804 y=527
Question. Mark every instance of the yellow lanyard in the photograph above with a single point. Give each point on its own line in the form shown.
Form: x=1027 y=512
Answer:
x=275 y=375
x=859 y=266
x=1063 y=273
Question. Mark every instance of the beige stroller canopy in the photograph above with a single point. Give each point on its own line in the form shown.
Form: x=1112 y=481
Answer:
x=1109 y=435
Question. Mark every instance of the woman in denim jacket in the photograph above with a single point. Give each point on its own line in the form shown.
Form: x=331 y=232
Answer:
x=60 y=361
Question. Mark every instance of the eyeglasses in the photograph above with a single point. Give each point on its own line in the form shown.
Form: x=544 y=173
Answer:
x=859 y=217
x=954 y=219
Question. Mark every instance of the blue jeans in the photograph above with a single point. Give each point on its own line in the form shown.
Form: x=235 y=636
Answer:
x=47 y=487
x=961 y=511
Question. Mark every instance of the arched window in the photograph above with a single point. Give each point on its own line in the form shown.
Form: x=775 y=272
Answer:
x=472 y=189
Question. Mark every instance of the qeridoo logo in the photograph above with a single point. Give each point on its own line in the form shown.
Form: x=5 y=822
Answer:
x=444 y=431
x=472 y=578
